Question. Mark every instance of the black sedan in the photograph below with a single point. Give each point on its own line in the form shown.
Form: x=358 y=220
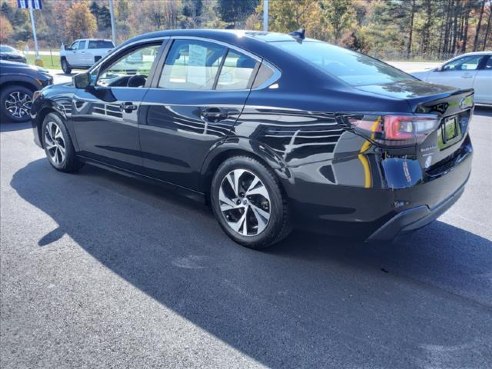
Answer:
x=18 y=82
x=275 y=131
x=10 y=54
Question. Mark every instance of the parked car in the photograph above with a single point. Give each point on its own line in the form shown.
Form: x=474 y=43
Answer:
x=9 y=53
x=471 y=70
x=18 y=81
x=83 y=53
x=273 y=130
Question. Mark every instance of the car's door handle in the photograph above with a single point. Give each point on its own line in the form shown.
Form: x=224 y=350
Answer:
x=128 y=107
x=467 y=75
x=213 y=114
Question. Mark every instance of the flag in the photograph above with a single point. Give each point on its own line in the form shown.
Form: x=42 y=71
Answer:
x=35 y=4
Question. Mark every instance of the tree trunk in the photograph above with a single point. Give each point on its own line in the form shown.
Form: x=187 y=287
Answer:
x=487 y=30
x=465 y=32
x=455 y=29
x=479 y=24
x=410 y=37
x=447 y=28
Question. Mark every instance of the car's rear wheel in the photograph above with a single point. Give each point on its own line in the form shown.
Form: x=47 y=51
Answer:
x=16 y=103
x=58 y=144
x=67 y=69
x=248 y=203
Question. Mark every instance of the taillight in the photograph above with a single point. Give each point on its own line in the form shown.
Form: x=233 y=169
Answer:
x=394 y=130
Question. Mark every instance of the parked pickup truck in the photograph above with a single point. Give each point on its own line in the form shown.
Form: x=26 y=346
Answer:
x=83 y=53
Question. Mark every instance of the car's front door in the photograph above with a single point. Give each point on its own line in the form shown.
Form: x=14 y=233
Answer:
x=193 y=104
x=105 y=116
x=459 y=72
x=71 y=53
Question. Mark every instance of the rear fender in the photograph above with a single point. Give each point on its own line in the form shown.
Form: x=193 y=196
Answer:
x=234 y=146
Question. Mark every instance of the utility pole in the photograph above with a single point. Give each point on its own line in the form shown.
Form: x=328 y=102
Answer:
x=111 y=12
x=265 y=15
x=33 y=24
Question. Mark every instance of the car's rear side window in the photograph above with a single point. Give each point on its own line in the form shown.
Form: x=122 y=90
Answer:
x=236 y=72
x=100 y=44
x=264 y=74
x=351 y=67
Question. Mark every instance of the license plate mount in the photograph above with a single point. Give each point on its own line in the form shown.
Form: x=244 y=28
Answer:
x=450 y=132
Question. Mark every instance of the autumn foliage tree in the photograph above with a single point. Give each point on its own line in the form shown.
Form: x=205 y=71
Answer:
x=80 y=22
x=6 y=28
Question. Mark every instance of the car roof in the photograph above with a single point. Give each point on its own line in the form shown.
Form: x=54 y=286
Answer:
x=93 y=39
x=225 y=35
x=475 y=53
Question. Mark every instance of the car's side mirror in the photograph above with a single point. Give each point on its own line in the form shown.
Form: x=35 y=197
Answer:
x=438 y=69
x=82 y=80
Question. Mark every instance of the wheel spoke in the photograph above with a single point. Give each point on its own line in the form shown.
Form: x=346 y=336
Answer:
x=225 y=200
x=16 y=112
x=260 y=189
x=237 y=225
x=261 y=216
x=233 y=179
x=58 y=133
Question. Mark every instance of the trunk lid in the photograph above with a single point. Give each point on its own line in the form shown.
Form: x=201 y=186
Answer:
x=454 y=108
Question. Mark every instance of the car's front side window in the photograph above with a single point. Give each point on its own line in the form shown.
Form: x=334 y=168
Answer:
x=131 y=69
x=469 y=62
x=488 y=65
x=192 y=65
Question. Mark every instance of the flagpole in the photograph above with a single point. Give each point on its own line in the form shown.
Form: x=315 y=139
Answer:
x=31 y=13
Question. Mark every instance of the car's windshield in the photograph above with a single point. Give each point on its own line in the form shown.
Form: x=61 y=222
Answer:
x=351 y=67
x=6 y=49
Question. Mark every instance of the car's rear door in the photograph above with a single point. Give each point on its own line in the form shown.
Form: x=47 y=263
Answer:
x=105 y=116
x=483 y=81
x=194 y=102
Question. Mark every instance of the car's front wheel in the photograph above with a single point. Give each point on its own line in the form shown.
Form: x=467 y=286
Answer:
x=248 y=203
x=58 y=144
x=67 y=69
x=15 y=103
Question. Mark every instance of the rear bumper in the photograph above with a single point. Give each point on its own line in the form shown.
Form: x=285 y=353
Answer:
x=376 y=214
x=414 y=218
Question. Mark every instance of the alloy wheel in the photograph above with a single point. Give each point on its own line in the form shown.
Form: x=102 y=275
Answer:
x=244 y=202
x=55 y=143
x=18 y=104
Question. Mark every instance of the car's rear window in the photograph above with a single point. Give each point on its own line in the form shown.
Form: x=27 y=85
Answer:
x=100 y=44
x=353 y=68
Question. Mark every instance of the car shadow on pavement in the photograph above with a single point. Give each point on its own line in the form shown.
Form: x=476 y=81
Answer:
x=296 y=305
x=10 y=127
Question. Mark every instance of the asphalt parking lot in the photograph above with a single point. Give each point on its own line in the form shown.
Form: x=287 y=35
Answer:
x=102 y=271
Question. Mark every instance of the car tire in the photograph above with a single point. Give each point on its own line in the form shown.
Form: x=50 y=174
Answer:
x=58 y=145
x=15 y=103
x=67 y=69
x=248 y=202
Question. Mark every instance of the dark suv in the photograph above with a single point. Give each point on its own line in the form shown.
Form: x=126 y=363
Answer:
x=18 y=82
